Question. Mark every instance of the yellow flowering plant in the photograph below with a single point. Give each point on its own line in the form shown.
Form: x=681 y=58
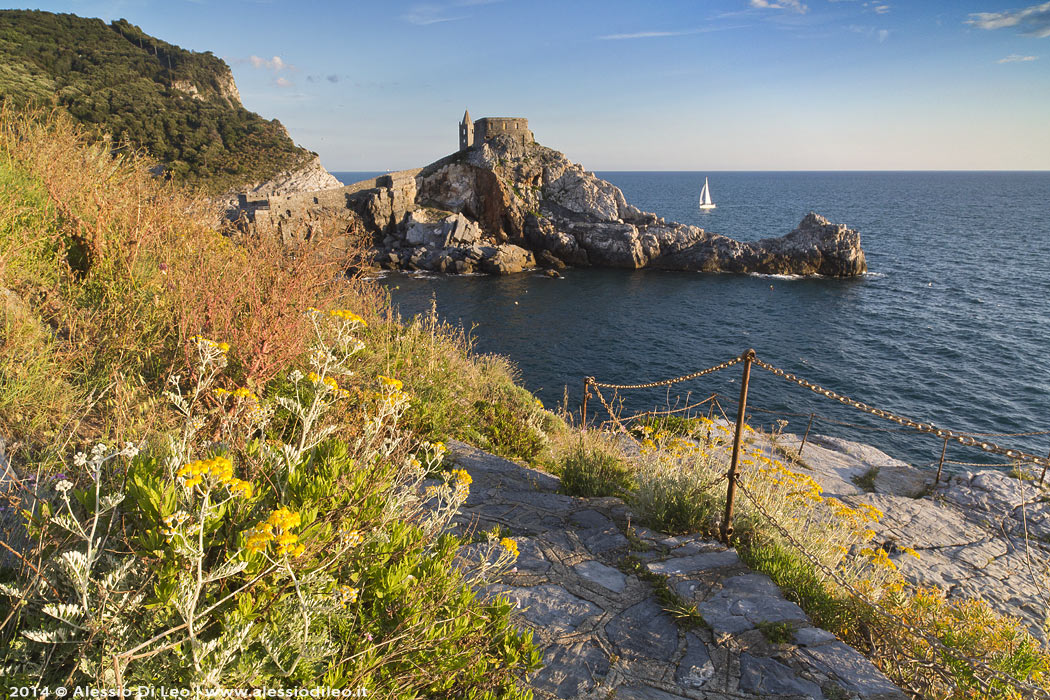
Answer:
x=680 y=486
x=302 y=556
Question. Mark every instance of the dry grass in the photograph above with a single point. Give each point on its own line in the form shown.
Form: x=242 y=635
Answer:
x=109 y=272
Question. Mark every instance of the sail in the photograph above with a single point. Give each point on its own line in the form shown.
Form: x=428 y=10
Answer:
x=705 y=193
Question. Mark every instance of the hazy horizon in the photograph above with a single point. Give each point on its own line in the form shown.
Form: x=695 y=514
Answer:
x=722 y=85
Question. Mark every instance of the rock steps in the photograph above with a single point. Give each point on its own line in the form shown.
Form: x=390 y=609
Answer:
x=602 y=628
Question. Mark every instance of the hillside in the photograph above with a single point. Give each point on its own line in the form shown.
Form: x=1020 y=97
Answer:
x=180 y=106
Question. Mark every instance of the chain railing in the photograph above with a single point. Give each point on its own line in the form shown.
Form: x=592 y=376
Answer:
x=983 y=674
x=965 y=438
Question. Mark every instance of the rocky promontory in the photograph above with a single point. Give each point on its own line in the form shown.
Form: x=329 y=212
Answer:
x=506 y=206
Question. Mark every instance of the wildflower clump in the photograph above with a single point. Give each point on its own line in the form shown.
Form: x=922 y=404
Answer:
x=824 y=553
x=347 y=596
x=348 y=316
x=215 y=471
x=509 y=545
x=276 y=529
x=202 y=342
x=463 y=479
x=238 y=393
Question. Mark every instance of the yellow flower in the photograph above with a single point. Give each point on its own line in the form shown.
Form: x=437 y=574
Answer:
x=239 y=487
x=284 y=519
x=462 y=477
x=353 y=538
x=347 y=595
x=348 y=316
x=389 y=383
x=509 y=545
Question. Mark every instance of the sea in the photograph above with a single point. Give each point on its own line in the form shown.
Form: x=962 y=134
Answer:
x=950 y=326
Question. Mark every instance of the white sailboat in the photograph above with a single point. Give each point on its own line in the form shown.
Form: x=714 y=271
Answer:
x=705 y=197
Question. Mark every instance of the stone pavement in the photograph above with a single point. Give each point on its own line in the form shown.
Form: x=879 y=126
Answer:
x=605 y=633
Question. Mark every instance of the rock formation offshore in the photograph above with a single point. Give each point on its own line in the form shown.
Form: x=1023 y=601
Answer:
x=506 y=206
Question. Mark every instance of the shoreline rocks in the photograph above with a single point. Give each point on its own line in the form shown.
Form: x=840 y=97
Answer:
x=506 y=206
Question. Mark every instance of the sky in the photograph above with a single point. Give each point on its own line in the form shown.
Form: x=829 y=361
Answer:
x=624 y=85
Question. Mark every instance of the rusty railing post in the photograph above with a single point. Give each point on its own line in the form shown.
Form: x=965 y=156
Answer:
x=583 y=406
x=727 y=521
x=806 y=436
x=940 y=465
x=710 y=413
x=1043 y=475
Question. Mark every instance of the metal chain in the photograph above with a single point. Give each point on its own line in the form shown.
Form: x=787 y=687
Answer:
x=1033 y=690
x=668 y=382
x=976 y=464
x=612 y=414
x=962 y=438
x=669 y=412
x=1037 y=432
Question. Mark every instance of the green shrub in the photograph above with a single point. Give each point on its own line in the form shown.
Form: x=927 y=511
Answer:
x=591 y=468
x=676 y=499
x=243 y=554
x=866 y=481
x=457 y=393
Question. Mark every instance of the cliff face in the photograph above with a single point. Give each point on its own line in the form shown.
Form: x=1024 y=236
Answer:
x=181 y=106
x=506 y=206
x=310 y=177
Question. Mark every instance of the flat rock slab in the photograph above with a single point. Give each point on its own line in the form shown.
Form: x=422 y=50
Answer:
x=602 y=629
x=548 y=607
x=695 y=563
x=602 y=574
x=770 y=677
x=969 y=530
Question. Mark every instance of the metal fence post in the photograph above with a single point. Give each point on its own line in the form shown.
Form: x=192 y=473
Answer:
x=940 y=465
x=586 y=395
x=1043 y=475
x=806 y=436
x=727 y=521
x=710 y=414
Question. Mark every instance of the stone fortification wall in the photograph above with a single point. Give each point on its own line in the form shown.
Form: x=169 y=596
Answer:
x=273 y=214
x=489 y=127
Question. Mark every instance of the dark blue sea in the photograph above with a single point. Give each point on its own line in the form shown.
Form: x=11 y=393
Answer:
x=951 y=325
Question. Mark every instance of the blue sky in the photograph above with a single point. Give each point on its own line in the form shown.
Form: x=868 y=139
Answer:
x=623 y=85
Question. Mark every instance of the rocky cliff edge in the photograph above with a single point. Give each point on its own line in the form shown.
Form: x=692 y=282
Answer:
x=505 y=206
